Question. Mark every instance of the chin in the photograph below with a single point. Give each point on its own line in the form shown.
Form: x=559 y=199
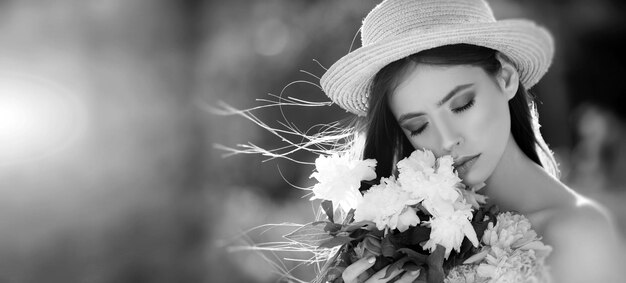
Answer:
x=468 y=181
x=474 y=177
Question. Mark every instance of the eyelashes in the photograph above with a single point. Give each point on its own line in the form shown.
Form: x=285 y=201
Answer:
x=464 y=107
x=458 y=110
x=419 y=131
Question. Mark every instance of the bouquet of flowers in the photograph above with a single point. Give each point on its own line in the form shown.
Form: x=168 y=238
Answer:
x=423 y=219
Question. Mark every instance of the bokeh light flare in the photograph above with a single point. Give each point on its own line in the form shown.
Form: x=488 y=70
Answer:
x=37 y=118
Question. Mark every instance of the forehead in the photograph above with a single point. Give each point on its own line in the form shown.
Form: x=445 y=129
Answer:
x=430 y=83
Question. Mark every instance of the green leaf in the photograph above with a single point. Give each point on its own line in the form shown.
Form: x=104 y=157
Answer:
x=388 y=247
x=327 y=206
x=480 y=228
x=310 y=234
x=335 y=241
x=423 y=209
x=477 y=257
x=422 y=278
x=349 y=217
x=367 y=225
x=358 y=234
x=412 y=236
x=435 y=265
x=332 y=228
x=372 y=244
x=410 y=266
x=418 y=258
x=479 y=215
x=467 y=249
x=493 y=211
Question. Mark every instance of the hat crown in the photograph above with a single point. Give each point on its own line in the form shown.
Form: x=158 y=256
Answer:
x=393 y=18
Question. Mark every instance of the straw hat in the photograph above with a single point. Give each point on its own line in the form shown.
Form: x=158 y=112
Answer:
x=398 y=28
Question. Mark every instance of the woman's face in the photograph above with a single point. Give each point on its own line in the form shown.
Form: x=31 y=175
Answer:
x=455 y=110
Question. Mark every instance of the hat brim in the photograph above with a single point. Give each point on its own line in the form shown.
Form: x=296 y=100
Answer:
x=530 y=47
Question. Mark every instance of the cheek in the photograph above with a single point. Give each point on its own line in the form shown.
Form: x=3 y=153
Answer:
x=491 y=123
x=428 y=141
x=488 y=130
x=495 y=131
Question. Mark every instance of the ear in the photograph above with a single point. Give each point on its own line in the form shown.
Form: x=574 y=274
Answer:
x=508 y=77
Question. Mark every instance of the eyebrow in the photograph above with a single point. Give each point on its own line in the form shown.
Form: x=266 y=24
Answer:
x=448 y=96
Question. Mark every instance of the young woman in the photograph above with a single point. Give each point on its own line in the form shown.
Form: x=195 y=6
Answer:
x=444 y=75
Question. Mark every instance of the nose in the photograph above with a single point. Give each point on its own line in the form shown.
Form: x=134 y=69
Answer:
x=451 y=138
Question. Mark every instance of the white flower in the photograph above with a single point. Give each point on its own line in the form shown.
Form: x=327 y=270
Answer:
x=513 y=231
x=438 y=200
x=501 y=266
x=408 y=218
x=512 y=252
x=509 y=230
x=516 y=266
x=339 y=179
x=444 y=166
x=474 y=198
x=430 y=181
x=414 y=172
x=385 y=205
x=463 y=273
x=450 y=230
x=418 y=161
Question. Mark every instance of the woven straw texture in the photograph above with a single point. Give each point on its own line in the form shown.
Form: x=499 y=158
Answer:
x=398 y=28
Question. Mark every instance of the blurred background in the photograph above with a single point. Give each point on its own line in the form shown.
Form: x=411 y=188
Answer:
x=108 y=171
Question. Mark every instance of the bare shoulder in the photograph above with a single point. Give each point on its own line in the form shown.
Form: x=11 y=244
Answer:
x=585 y=243
x=577 y=217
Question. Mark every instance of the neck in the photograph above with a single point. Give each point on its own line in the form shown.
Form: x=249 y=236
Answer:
x=519 y=184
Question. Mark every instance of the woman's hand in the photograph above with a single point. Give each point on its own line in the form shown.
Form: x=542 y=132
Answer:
x=358 y=273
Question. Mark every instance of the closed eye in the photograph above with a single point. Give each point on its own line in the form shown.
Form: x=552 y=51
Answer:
x=419 y=130
x=457 y=110
x=464 y=107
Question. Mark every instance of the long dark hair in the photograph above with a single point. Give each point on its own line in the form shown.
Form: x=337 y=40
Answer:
x=384 y=139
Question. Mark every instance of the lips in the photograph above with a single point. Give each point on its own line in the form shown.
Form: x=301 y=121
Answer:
x=463 y=164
